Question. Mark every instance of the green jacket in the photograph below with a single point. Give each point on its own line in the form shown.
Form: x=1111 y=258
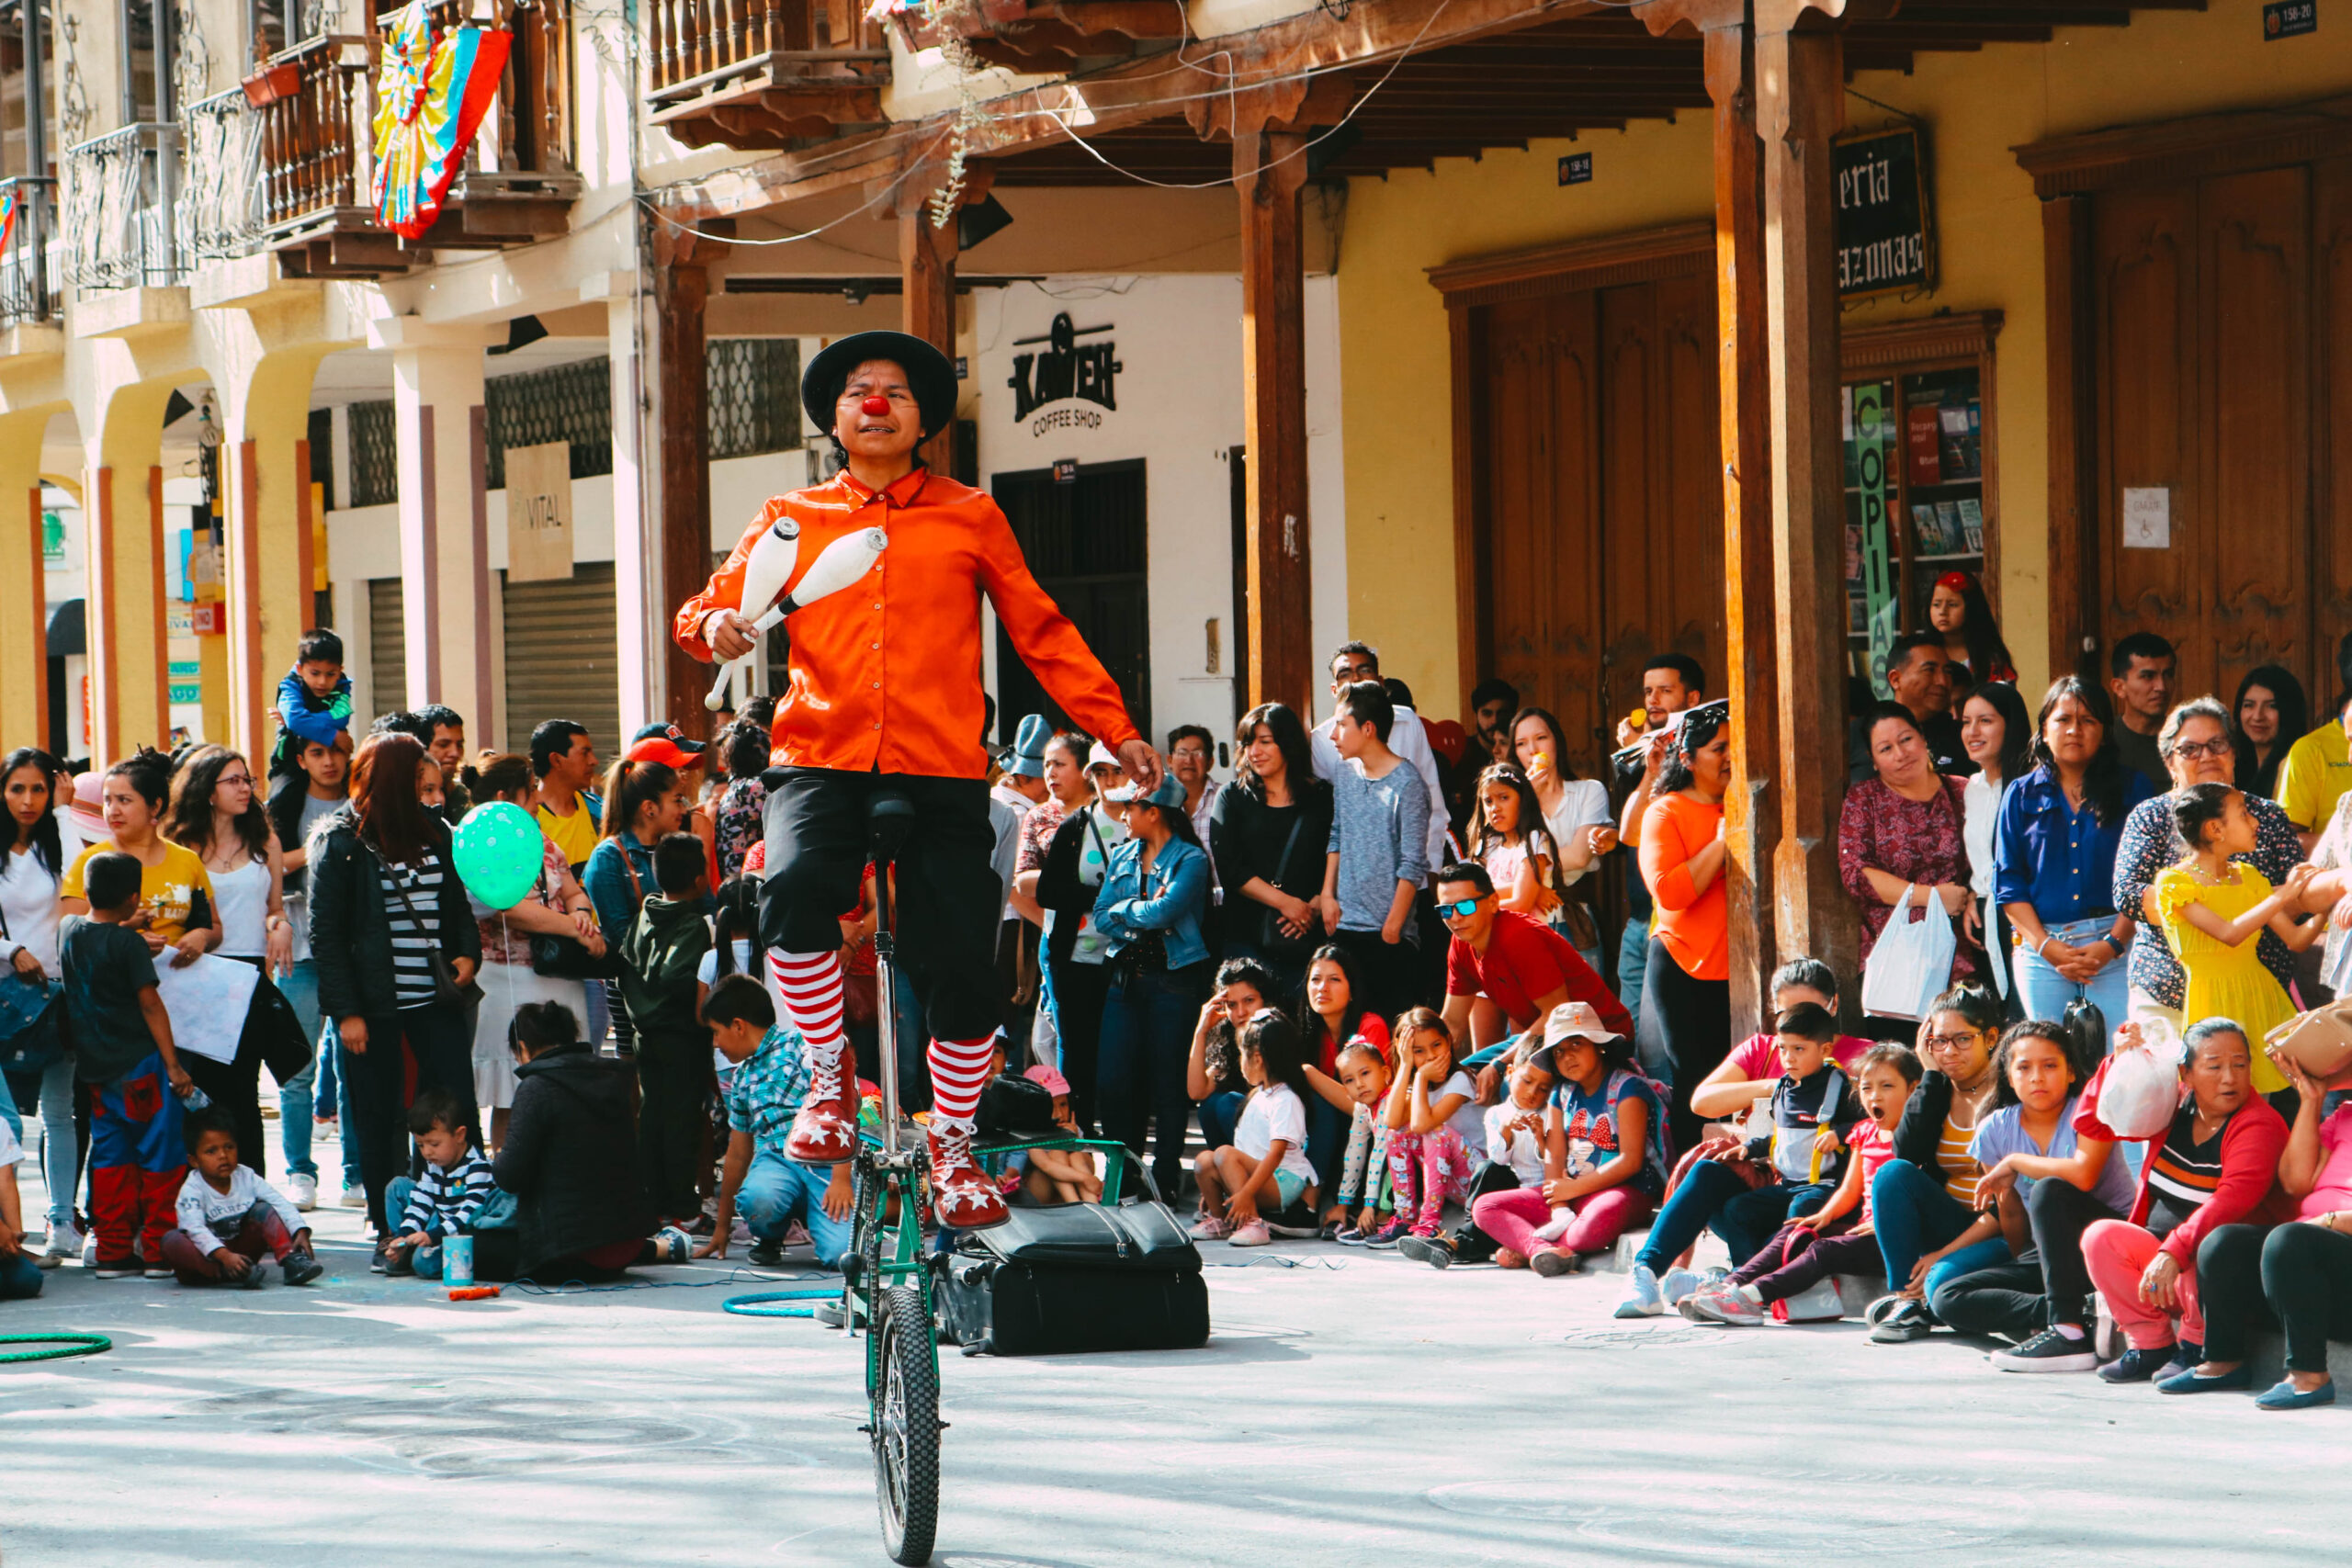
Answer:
x=661 y=951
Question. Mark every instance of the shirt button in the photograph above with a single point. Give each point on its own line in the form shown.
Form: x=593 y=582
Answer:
x=877 y=686
x=878 y=603
x=877 y=648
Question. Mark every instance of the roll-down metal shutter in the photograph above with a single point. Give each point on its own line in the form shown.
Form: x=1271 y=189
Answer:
x=564 y=657
x=387 y=651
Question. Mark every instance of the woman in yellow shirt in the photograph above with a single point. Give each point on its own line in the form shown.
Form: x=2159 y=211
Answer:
x=175 y=895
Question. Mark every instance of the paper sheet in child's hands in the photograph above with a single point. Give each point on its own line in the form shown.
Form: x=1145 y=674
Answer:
x=208 y=1000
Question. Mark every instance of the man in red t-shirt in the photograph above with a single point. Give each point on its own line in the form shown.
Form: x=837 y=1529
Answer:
x=1525 y=966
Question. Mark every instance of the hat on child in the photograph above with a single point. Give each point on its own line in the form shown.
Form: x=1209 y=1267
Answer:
x=1571 y=1020
x=1168 y=792
x=1028 y=758
x=1047 y=1079
x=1099 y=756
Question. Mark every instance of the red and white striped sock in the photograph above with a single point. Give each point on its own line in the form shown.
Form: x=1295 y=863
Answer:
x=811 y=984
x=959 y=1070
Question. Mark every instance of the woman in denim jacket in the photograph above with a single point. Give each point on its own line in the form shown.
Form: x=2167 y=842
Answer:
x=1150 y=908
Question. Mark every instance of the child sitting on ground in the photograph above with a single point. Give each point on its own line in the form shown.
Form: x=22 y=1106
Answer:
x=229 y=1216
x=762 y=1097
x=1267 y=1159
x=20 y=1277
x=456 y=1185
x=1366 y=1189
x=1060 y=1175
x=1604 y=1152
x=1797 y=1265
x=122 y=1048
x=1436 y=1128
x=314 y=703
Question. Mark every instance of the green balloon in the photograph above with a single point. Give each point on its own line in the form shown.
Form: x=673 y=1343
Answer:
x=498 y=850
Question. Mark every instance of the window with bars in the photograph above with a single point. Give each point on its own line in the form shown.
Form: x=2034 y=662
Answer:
x=564 y=402
x=754 y=395
x=375 y=455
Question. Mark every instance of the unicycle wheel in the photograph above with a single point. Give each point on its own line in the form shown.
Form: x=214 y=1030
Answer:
x=906 y=1426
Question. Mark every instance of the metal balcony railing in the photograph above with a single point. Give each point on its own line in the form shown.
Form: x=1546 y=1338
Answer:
x=119 y=231
x=28 y=266
x=221 y=210
x=702 y=45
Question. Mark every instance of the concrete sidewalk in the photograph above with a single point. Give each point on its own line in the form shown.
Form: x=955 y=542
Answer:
x=1350 y=1408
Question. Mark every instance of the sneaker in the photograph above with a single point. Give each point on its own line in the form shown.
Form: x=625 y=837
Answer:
x=1347 y=1235
x=300 y=1267
x=304 y=1191
x=65 y=1242
x=1385 y=1239
x=965 y=1199
x=1680 y=1283
x=1726 y=1305
x=767 y=1253
x=117 y=1269
x=1903 y=1322
x=795 y=1235
x=1553 y=1262
x=381 y=1261
x=1210 y=1228
x=158 y=1271
x=1433 y=1250
x=1644 y=1297
x=1250 y=1232
x=1297 y=1223
x=251 y=1279
x=353 y=1198
x=671 y=1245
x=2049 y=1351
x=399 y=1263
x=1818 y=1302
x=2187 y=1354
x=2137 y=1365
x=1879 y=1309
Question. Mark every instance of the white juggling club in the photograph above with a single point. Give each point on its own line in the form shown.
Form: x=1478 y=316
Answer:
x=837 y=566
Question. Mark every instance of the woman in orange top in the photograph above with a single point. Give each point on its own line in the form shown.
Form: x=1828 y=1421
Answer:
x=1685 y=1024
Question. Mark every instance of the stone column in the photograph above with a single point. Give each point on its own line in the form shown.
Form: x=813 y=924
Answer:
x=443 y=434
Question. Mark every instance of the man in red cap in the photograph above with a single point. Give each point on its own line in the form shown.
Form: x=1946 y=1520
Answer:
x=885 y=688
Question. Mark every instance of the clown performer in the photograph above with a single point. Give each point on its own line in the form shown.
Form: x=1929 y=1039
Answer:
x=885 y=624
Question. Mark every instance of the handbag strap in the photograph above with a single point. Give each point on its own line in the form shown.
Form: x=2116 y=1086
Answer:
x=635 y=886
x=1282 y=861
x=399 y=885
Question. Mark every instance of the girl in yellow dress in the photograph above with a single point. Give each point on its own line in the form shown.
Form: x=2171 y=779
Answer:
x=2212 y=907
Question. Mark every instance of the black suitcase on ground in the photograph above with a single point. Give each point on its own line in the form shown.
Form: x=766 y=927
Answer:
x=1076 y=1277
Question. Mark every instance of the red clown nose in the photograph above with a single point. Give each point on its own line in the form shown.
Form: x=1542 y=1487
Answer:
x=876 y=407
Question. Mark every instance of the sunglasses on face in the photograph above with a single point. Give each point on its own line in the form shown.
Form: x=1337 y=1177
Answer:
x=1461 y=908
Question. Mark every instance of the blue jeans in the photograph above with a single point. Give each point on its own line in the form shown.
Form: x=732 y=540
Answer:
x=425 y=1260
x=2044 y=992
x=1632 y=961
x=1712 y=1196
x=301 y=988
x=1913 y=1216
x=8 y=1111
x=61 y=1153
x=1146 y=1039
x=20 y=1279
x=1220 y=1111
x=775 y=1191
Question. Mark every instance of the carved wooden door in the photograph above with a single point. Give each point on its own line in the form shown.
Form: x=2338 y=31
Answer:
x=1598 y=496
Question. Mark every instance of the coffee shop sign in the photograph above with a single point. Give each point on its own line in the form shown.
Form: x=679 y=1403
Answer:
x=1065 y=370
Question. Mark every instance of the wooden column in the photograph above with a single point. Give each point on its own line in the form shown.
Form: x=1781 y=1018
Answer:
x=1751 y=642
x=683 y=550
x=1269 y=168
x=2074 y=507
x=927 y=272
x=1800 y=89
x=24 y=620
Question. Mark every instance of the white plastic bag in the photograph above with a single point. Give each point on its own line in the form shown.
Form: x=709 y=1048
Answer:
x=2140 y=1091
x=1912 y=963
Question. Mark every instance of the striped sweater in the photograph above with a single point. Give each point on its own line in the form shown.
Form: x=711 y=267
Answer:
x=447 y=1199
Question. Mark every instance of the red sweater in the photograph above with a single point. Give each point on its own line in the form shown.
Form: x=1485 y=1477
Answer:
x=2248 y=1192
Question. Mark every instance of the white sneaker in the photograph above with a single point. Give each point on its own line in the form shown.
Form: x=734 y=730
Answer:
x=1679 y=1285
x=65 y=1242
x=354 y=1197
x=1643 y=1297
x=304 y=1191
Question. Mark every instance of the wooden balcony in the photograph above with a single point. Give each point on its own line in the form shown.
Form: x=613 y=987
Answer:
x=517 y=185
x=763 y=74
x=1054 y=36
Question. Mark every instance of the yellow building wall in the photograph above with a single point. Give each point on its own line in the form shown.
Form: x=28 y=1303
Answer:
x=1977 y=107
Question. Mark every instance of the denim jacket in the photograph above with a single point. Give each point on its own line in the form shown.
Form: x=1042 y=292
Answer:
x=1169 y=900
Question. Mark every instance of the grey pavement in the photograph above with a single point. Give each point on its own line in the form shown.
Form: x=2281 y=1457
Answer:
x=1350 y=1408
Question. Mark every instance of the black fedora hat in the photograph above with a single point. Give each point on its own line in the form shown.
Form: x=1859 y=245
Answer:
x=929 y=374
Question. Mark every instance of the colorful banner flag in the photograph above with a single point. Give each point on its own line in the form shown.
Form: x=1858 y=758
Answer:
x=430 y=99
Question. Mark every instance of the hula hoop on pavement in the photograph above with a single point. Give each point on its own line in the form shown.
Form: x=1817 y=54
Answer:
x=760 y=1304
x=65 y=1345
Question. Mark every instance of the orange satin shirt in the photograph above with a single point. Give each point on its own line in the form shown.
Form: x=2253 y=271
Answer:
x=886 y=672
